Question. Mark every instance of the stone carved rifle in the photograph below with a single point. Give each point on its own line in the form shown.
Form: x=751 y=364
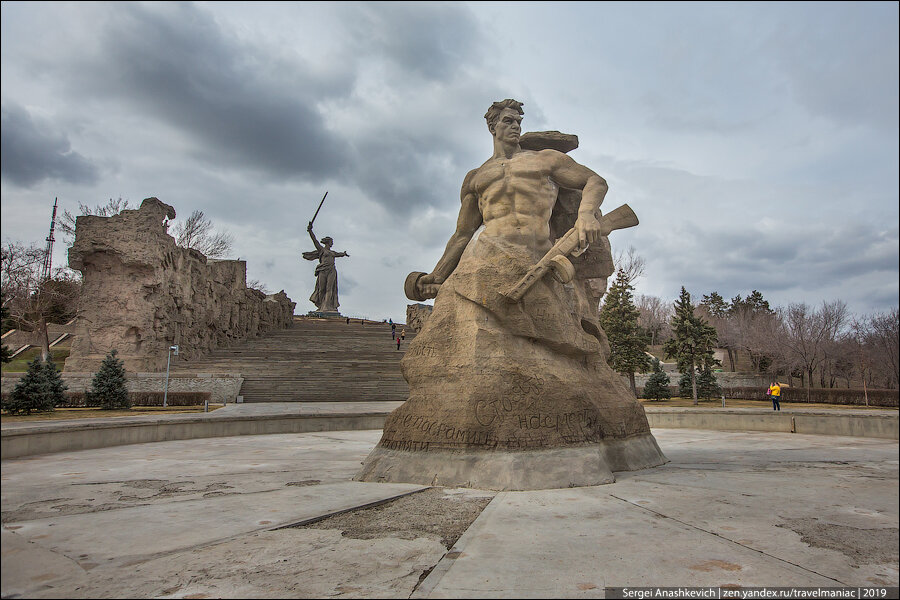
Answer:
x=556 y=260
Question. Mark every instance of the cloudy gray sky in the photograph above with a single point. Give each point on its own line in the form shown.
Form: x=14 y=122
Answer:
x=758 y=143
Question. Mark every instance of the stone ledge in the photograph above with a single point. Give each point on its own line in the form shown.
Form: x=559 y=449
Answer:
x=68 y=437
x=49 y=437
x=882 y=424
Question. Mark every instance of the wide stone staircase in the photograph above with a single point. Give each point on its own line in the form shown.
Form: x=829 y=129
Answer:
x=315 y=360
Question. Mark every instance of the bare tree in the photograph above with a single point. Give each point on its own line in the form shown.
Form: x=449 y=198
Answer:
x=197 y=232
x=67 y=221
x=31 y=300
x=654 y=317
x=807 y=332
x=256 y=284
x=629 y=262
x=834 y=321
x=877 y=339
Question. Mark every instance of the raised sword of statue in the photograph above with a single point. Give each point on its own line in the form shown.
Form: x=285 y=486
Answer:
x=317 y=212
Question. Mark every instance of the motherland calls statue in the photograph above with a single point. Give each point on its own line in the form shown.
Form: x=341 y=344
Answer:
x=325 y=296
x=509 y=385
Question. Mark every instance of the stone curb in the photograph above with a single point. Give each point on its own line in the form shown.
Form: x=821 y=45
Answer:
x=45 y=438
x=67 y=437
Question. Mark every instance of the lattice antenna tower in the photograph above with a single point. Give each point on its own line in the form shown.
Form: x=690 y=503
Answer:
x=48 y=253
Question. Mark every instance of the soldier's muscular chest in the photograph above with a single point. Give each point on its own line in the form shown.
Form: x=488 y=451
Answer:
x=523 y=173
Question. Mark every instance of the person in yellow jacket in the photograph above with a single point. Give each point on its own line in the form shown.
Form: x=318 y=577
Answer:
x=775 y=393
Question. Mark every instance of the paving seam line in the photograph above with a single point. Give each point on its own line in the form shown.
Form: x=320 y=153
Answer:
x=137 y=559
x=721 y=537
x=312 y=520
x=424 y=588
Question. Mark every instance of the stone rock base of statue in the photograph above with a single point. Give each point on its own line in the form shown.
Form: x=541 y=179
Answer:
x=510 y=396
x=499 y=469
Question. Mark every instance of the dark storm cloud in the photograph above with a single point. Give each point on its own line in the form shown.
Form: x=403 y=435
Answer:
x=404 y=175
x=415 y=158
x=429 y=40
x=34 y=150
x=253 y=108
x=240 y=106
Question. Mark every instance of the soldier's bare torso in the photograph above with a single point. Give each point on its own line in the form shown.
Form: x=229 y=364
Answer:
x=516 y=196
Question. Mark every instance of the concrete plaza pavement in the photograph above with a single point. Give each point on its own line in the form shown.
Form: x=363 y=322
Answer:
x=225 y=516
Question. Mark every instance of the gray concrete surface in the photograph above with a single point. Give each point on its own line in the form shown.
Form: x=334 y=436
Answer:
x=200 y=518
x=40 y=437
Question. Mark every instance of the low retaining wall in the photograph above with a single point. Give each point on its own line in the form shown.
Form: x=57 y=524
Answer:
x=724 y=379
x=857 y=425
x=84 y=436
x=223 y=387
x=65 y=437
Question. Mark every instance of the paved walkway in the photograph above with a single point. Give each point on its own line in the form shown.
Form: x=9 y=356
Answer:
x=229 y=411
x=272 y=409
x=206 y=518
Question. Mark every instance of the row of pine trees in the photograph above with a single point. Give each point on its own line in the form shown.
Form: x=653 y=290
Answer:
x=691 y=345
x=42 y=389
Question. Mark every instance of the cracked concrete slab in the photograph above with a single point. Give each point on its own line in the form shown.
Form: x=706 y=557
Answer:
x=185 y=519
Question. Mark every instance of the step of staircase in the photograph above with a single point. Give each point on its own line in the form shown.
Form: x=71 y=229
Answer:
x=314 y=360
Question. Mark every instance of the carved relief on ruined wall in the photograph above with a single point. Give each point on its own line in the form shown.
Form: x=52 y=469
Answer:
x=416 y=315
x=142 y=294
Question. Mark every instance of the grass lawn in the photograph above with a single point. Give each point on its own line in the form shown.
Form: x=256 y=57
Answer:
x=717 y=403
x=98 y=413
x=20 y=363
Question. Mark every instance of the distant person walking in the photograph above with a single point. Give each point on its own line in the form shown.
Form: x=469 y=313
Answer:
x=775 y=394
x=403 y=334
x=398 y=343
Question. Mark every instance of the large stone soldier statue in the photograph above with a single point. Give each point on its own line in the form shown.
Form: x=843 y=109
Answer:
x=509 y=386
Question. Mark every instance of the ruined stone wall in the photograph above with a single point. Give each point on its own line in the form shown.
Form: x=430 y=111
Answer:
x=416 y=315
x=142 y=294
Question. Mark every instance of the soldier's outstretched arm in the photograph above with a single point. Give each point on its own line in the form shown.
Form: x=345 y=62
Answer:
x=467 y=224
x=569 y=174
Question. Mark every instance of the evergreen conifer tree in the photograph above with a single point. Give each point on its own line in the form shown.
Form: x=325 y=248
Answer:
x=657 y=386
x=692 y=341
x=685 y=386
x=55 y=381
x=707 y=385
x=108 y=387
x=33 y=392
x=619 y=319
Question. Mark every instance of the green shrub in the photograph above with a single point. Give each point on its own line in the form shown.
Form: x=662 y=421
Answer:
x=34 y=392
x=707 y=385
x=854 y=397
x=80 y=399
x=657 y=386
x=54 y=380
x=109 y=387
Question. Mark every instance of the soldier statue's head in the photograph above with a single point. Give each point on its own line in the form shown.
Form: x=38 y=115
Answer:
x=493 y=113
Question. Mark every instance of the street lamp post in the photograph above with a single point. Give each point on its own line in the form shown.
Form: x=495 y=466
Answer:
x=168 y=362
